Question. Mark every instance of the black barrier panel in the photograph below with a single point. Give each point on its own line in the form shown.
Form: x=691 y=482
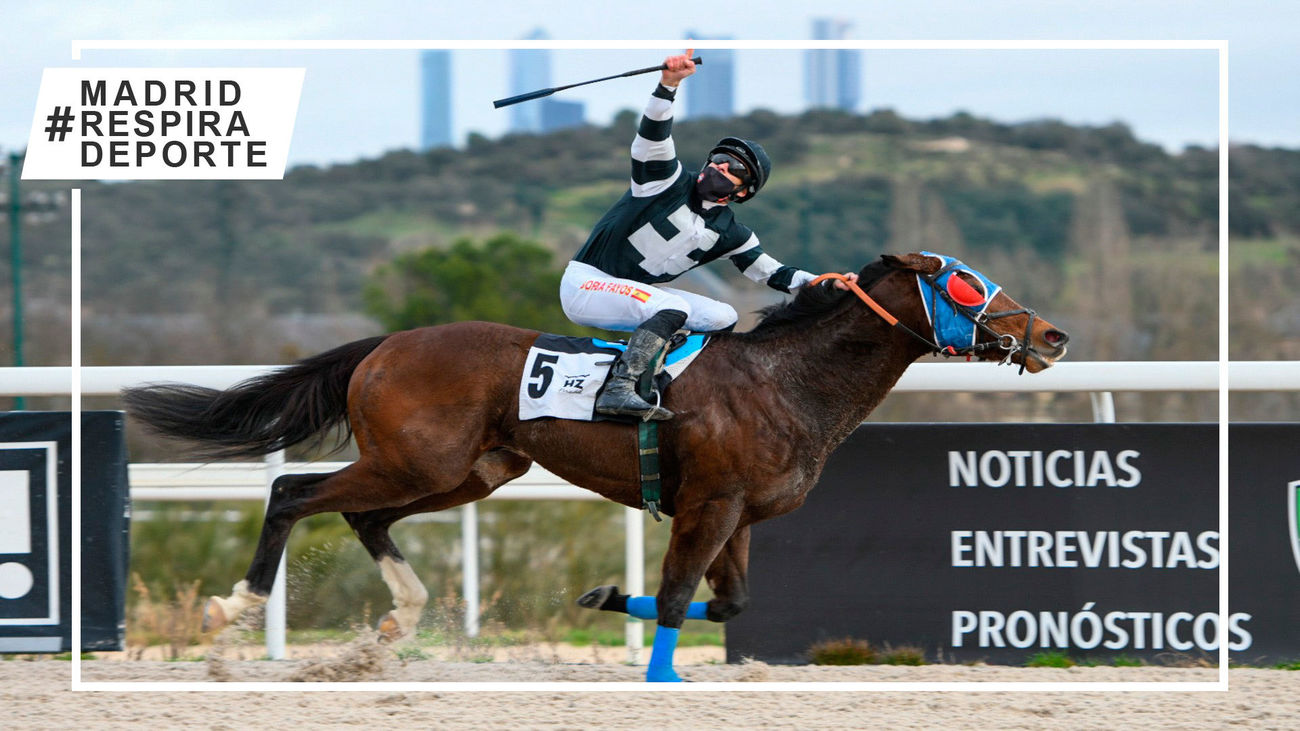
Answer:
x=996 y=542
x=1264 y=553
x=36 y=531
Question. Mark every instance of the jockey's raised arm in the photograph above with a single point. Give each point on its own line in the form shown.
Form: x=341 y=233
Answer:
x=671 y=220
x=654 y=156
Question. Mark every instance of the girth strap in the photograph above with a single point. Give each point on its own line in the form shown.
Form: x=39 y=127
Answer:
x=647 y=437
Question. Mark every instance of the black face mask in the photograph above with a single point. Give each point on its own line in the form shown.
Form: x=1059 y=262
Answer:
x=712 y=185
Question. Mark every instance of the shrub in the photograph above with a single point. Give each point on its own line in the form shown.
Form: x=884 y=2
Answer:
x=902 y=655
x=175 y=624
x=846 y=651
x=1050 y=660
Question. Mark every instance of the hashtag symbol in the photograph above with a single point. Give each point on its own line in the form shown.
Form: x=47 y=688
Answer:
x=60 y=123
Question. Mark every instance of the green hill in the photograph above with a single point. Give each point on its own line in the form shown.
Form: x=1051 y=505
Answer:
x=1068 y=218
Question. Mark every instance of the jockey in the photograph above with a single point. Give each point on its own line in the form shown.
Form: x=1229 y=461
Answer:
x=671 y=220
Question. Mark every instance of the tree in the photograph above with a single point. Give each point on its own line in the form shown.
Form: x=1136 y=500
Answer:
x=1102 y=292
x=506 y=279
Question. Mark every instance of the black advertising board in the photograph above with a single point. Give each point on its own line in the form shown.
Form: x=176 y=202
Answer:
x=1264 y=546
x=995 y=542
x=36 y=531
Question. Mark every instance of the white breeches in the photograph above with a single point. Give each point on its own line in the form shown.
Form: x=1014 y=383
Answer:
x=593 y=298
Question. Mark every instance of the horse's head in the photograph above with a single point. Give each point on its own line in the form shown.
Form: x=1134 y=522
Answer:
x=967 y=314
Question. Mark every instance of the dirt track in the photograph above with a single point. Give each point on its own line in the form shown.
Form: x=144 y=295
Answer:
x=37 y=695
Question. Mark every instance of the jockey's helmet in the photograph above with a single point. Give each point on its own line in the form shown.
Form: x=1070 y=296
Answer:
x=751 y=156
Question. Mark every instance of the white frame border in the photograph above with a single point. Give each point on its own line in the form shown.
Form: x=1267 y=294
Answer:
x=1221 y=46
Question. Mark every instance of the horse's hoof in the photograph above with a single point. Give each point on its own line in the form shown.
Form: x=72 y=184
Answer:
x=389 y=629
x=214 y=617
x=597 y=597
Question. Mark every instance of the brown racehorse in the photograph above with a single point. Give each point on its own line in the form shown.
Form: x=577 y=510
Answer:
x=435 y=415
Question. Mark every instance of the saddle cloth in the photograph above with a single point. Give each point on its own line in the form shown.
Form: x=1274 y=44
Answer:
x=562 y=375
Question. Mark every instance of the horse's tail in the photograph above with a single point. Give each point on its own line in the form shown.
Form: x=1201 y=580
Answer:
x=260 y=415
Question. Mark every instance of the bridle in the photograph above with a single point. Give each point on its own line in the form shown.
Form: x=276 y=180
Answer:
x=1006 y=342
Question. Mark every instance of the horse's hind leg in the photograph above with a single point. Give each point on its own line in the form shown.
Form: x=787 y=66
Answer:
x=409 y=595
x=220 y=611
x=294 y=497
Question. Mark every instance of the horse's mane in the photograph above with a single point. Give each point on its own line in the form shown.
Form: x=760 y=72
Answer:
x=811 y=303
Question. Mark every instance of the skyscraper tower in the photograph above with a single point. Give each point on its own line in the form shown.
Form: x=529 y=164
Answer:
x=530 y=70
x=832 y=77
x=712 y=91
x=435 y=99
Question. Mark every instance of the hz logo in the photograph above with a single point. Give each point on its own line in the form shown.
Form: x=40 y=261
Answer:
x=574 y=383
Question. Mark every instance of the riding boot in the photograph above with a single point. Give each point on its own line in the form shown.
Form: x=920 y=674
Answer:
x=620 y=397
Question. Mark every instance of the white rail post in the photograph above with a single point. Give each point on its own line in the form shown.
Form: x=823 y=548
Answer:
x=277 y=604
x=1103 y=407
x=634 y=552
x=469 y=581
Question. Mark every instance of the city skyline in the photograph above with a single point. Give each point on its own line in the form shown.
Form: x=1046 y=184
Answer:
x=557 y=112
x=831 y=78
x=360 y=101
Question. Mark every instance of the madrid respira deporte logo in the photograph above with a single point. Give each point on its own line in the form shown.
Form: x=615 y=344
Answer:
x=163 y=123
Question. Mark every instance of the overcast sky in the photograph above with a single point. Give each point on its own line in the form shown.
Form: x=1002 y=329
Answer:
x=362 y=103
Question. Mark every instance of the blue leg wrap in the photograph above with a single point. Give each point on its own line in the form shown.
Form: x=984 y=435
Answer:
x=661 y=657
x=644 y=607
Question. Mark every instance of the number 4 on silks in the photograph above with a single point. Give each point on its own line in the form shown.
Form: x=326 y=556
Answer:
x=543 y=369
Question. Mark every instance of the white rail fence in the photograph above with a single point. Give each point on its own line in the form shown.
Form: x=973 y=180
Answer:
x=1064 y=377
x=251 y=481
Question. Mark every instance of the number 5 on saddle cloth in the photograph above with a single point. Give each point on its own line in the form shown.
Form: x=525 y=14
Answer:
x=563 y=376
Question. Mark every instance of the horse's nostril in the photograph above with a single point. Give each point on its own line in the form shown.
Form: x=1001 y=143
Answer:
x=1056 y=337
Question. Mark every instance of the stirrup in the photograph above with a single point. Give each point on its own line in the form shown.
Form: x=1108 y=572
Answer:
x=648 y=412
x=656 y=409
x=626 y=402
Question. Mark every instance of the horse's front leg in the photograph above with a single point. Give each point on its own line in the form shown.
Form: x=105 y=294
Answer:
x=726 y=578
x=699 y=533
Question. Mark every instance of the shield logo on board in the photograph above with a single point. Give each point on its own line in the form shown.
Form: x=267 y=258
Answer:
x=1293 y=518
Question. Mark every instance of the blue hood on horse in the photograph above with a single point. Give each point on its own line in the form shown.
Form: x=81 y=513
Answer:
x=952 y=326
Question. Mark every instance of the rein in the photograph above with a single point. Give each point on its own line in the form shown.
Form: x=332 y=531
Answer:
x=1006 y=342
x=878 y=309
